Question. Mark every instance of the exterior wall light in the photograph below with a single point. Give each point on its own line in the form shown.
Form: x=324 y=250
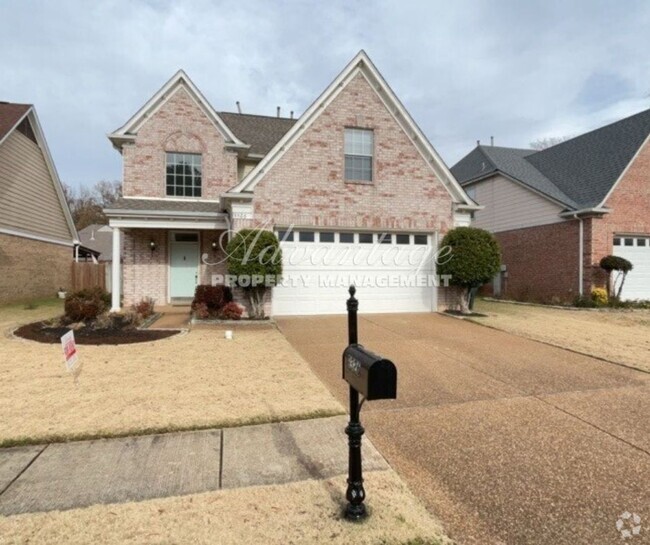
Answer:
x=214 y=245
x=152 y=245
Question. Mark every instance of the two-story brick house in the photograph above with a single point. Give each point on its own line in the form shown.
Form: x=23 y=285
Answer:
x=353 y=176
x=557 y=212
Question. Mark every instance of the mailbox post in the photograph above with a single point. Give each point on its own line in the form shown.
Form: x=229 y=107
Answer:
x=373 y=377
x=355 y=493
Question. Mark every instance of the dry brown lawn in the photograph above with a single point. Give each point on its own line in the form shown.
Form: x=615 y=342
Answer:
x=304 y=512
x=620 y=336
x=190 y=381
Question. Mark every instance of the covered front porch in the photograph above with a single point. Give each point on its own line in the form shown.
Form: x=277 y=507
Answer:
x=165 y=254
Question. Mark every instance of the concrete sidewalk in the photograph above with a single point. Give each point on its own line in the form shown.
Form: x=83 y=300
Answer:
x=68 y=475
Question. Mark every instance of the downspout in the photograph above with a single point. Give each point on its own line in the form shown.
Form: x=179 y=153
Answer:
x=581 y=258
x=581 y=249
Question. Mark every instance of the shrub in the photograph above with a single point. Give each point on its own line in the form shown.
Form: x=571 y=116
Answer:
x=213 y=298
x=144 y=308
x=599 y=296
x=611 y=263
x=231 y=311
x=584 y=301
x=201 y=311
x=255 y=258
x=473 y=259
x=86 y=304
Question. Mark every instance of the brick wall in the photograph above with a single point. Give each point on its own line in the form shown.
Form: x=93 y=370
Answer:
x=146 y=273
x=306 y=186
x=31 y=269
x=630 y=214
x=178 y=126
x=542 y=262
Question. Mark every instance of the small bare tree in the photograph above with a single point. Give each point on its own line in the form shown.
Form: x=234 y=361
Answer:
x=549 y=141
x=87 y=203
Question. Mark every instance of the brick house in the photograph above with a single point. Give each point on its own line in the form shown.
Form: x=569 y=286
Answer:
x=37 y=234
x=353 y=176
x=558 y=211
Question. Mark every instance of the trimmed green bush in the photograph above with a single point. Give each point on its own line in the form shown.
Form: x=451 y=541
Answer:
x=255 y=259
x=473 y=260
x=611 y=263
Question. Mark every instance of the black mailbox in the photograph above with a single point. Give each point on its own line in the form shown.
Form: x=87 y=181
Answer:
x=371 y=375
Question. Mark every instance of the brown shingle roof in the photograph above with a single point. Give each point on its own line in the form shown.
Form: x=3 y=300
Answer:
x=9 y=115
x=159 y=205
x=260 y=132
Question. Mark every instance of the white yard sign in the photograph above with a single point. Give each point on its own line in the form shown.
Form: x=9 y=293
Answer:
x=69 y=351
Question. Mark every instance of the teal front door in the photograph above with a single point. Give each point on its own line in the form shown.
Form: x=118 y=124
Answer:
x=184 y=269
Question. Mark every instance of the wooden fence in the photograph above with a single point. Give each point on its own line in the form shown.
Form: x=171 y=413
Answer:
x=88 y=275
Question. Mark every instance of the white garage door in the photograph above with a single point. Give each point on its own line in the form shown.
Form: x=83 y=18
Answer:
x=392 y=272
x=637 y=251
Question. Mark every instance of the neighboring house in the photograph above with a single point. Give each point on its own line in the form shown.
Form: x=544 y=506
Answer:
x=558 y=211
x=353 y=170
x=37 y=235
x=99 y=239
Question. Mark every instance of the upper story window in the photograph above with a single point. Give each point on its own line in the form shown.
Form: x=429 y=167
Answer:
x=359 y=145
x=183 y=175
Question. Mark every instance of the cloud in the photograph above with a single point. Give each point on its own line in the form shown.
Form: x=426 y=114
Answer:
x=466 y=70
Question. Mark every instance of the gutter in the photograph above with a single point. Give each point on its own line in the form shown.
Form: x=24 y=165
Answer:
x=593 y=211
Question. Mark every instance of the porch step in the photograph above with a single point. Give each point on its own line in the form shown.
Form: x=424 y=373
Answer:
x=181 y=301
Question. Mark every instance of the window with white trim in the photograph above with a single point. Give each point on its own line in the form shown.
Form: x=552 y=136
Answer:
x=359 y=145
x=183 y=174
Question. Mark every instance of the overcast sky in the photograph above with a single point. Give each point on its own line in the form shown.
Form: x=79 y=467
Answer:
x=518 y=70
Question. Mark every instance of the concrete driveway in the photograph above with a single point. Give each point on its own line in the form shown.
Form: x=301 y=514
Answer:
x=507 y=440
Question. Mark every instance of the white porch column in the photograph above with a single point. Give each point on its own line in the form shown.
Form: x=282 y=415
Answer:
x=116 y=268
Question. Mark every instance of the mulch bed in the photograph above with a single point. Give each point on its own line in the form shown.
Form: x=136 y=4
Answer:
x=42 y=333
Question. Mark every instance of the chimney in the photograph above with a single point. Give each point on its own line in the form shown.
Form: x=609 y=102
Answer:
x=238 y=107
x=291 y=114
x=491 y=140
x=278 y=112
x=478 y=142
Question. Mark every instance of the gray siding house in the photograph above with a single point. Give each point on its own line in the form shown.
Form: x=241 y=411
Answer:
x=37 y=234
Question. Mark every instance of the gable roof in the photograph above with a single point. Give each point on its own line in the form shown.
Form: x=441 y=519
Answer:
x=179 y=80
x=260 y=132
x=579 y=173
x=588 y=166
x=360 y=64
x=99 y=239
x=10 y=115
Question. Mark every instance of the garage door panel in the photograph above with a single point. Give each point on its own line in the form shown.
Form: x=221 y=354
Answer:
x=637 y=282
x=316 y=278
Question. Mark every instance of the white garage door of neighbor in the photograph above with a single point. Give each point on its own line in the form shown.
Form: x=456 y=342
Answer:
x=393 y=272
x=636 y=249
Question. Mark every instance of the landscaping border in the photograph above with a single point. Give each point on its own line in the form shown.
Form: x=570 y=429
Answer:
x=563 y=307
